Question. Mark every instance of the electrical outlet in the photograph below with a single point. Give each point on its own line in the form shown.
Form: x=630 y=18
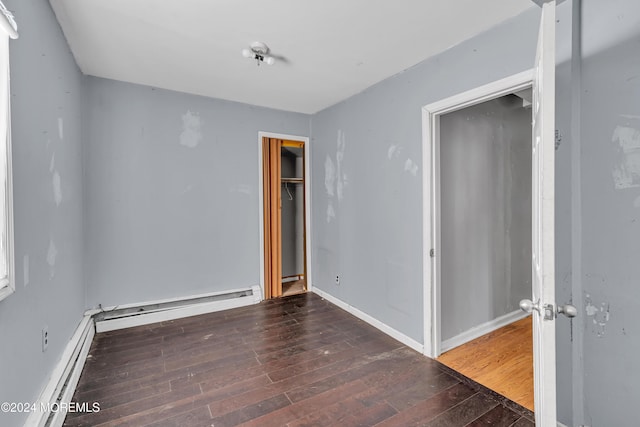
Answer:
x=45 y=338
x=337 y=280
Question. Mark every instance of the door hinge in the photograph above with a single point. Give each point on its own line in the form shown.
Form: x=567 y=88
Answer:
x=432 y=253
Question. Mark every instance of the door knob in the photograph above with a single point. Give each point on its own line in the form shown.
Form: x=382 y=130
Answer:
x=568 y=310
x=528 y=306
x=547 y=310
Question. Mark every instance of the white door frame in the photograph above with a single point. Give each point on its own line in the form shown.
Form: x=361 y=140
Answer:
x=307 y=198
x=431 y=192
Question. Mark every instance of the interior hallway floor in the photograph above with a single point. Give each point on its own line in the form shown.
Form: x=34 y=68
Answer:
x=501 y=360
x=292 y=361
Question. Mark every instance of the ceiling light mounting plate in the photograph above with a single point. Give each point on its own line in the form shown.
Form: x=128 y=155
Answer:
x=259 y=48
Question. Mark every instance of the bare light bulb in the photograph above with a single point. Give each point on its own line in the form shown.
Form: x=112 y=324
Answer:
x=247 y=53
x=269 y=60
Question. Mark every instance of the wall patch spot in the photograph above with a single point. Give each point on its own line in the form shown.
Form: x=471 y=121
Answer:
x=626 y=172
x=52 y=253
x=340 y=179
x=60 y=128
x=331 y=213
x=329 y=176
x=25 y=270
x=191 y=130
x=57 y=188
x=600 y=314
x=52 y=163
x=242 y=188
x=393 y=151
x=411 y=167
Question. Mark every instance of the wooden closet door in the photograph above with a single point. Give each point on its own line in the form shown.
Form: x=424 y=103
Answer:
x=271 y=152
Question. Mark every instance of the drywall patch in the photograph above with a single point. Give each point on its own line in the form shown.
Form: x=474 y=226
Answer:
x=340 y=177
x=599 y=314
x=52 y=253
x=57 y=188
x=393 y=151
x=52 y=163
x=242 y=188
x=191 y=130
x=60 y=128
x=335 y=180
x=626 y=171
x=411 y=167
x=25 y=270
x=329 y=176
x=331 y=213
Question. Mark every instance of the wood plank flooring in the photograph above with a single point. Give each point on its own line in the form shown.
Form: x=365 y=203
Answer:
x=294 y=361
x=501 y=360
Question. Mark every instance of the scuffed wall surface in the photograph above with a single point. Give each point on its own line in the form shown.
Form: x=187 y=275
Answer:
x=172 y=192
x=485 y=181
x=367 y=174
x=610 y=120
x=46 y=98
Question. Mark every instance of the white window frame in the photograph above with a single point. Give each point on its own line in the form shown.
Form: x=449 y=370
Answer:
x=8 y=29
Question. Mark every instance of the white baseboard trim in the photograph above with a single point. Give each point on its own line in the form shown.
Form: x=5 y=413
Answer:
x=393 y=333
x=64 y=378
x=173 y=313
x=480 y=330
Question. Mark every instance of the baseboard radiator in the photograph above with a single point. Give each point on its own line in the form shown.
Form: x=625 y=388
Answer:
x=61 y=386
x=153 y=312
x=59 y=390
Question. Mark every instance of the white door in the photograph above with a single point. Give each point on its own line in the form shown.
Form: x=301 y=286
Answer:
x=543 y=284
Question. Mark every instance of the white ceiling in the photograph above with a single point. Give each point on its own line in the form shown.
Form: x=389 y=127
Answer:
x=333 y=48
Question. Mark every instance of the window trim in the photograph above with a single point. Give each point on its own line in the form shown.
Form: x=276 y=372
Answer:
x=8 y=285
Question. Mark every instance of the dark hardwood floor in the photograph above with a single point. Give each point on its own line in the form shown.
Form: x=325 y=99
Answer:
x=294 y=361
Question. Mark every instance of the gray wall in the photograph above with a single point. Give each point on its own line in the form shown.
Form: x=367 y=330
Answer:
x=485 y=202
x=610 y=249
x=172 y=192
x=372 y=235
x=46 y=90
x=367 y=214
x=170 y=180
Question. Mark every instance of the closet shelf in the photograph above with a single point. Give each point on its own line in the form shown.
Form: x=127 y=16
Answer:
x=292 y=180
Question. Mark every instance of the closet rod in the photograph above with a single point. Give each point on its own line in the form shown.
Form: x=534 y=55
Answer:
x=292 y=180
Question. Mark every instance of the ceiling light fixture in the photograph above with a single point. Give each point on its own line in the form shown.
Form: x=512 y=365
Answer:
x=259 y=51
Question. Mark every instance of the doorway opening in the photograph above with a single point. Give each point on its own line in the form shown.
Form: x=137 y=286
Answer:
x=485 y=228
x=284 y=216
x=481 y=234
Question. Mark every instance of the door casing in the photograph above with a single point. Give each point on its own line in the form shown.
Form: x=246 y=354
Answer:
x=431 y=192
x=307 y=195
